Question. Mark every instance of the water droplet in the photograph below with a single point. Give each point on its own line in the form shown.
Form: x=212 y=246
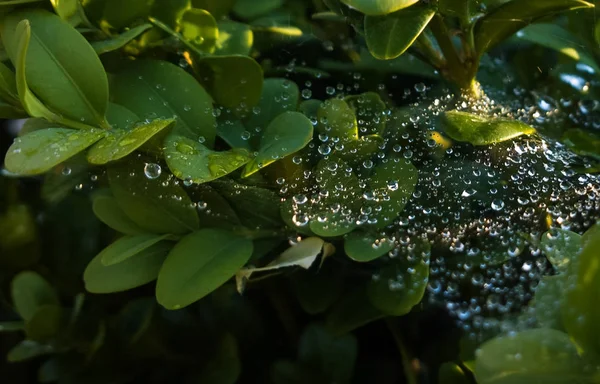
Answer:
x=152 y=171
x=497 y=205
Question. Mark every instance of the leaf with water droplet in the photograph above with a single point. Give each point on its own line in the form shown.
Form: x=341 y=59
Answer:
x=560 y=247
x=128 y=274
x=120 y=143
x=200 y=263
x=391 y=35
x=120 y=117
x=364 y=247
x=481 y=130
x=121 y=40
x=39 y=151
x=199 y=28
x=370 y=112
x=337 y=119
x=156 y=205
x=379 y=7
x=285 y=135
x=188 y=159
x=332 y=224
x=582 y=142
x=547 y=303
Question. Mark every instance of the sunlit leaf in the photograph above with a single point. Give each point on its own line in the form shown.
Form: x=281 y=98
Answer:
x=199 y=28
x=234 y=38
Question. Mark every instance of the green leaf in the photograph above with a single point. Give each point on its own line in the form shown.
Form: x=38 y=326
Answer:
x=108 y=211
x=154 y=89
x=9 y=111
x=256 y=207
x=559 y=39
x=28 y=349
x=379 y=7
x=121 y=40
x=69 y=10
x=8 y=86
x=29 y=292
x=533 y=356
x=285 y=135
x=481 y=130
x=234 y=39
x=337 y=119
x=218 y=8
x=353 y=311
x=200 y=263
x=199 y=28
x=391 y=35
x=547 y=303
x=233 y=81
x=45 y=323
x=120 y=143
x=190 y=160
x=317 y=291
x=390 y=188
x=11 y=326
x=224 y=367
x=364 y=247
x=131 y=273
x=233 y=132
x=39 y=151
x=119 y=15
x=464 y=10
x=76 y=89
x=451 y=373
x=128 y=246
x=560 y=247
x=251 y=9
x=580 y=311
x=120 y=117
x=370 y=111
x=582 y=142
x=401 y=284
x=156 y=204
x=512 y=16
x=334 y=356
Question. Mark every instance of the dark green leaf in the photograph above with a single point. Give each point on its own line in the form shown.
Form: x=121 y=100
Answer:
x=120 y=117
x=154 y=89
x=353 y=311
x=481 y=130
x=224 y=367
x=251 y=9
x=560 y=247
x=190 y=160
x=547 y=303
x=119 y=41
x=370 y=111
x=337 y=119
x=200 y=263
x=218 y=8
x=451 y=373
x=8 y=86
x=29 y=292
x=199 y=28
x=128 y=246
x=234 y=132
x=582 y=142
x=318 y=291
x=285 y=135
x=39 y=151
x=515 y=15
x=119 y=15
x=108 y=211
x=391 y=35
x=256 y=207
x=28 y=349
x=364 y=247
x=234 y=38
x=155 y=204
x=131 y=273
x=120 y=143
x=532 y=356
x=77 y=89
x=45 y=323
x=11 y=326
x=379 y=7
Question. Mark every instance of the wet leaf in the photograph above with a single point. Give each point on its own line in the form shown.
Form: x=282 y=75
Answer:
x=337 y=119
x=351 y=312
x=391 y=35
x=77 y=89
x=512 y=16
x=129 y=246
x=370 y=112
x=285 y=135
x=39 y=151
x=121 y=40
x=480 y=130
x=190 y=160
x=29 y=292
x=560 y=247
x=199 y=28
x=536 y=355
x=131 y=273
x=364 y=247
x=200 y=263
x=108 y=211
x=155 y=204
x=547 y=302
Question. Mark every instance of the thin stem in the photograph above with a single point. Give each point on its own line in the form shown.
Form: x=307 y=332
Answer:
x=411 y=375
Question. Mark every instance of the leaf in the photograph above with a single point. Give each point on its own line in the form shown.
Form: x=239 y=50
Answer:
x=285 y=135
x=532 y=356
x=121 y=40
x=402 y=283
x=451 y=373
x=560 y=246
x=379 y=7
x=29 y=292
x=28 y=349
x=233 y=81
x=317 y=291
x=480 y=130
x=160 y=89
x=559 y=39
x=76 y=89
x=108 y=211
x=370 y=111
x=512 y=16
x=364 y=247
x=190 y=160
x=391 y=35
x=120 y=143
x=218 y=8
x=334 y=356
x=464 y=10
x=199 y=27
x=233 y=132
x=234 y=39
x=120 y=117
x=11 y=326
x=39 y=151
x=200 y=263
x=213 y=209
x=45 y=323
x=131 y=273
x=119 y=15
x=157 y=205
x=582 y=142
x=337 y=119
x=225 y=366
x=251 y=9
x=301 y=255
x=256 y=207
x=128 y=246
x=8 y=86
x=69 y=10
x=580 y=311
x=547 y=303
x=352 y=311
x=390 y=188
